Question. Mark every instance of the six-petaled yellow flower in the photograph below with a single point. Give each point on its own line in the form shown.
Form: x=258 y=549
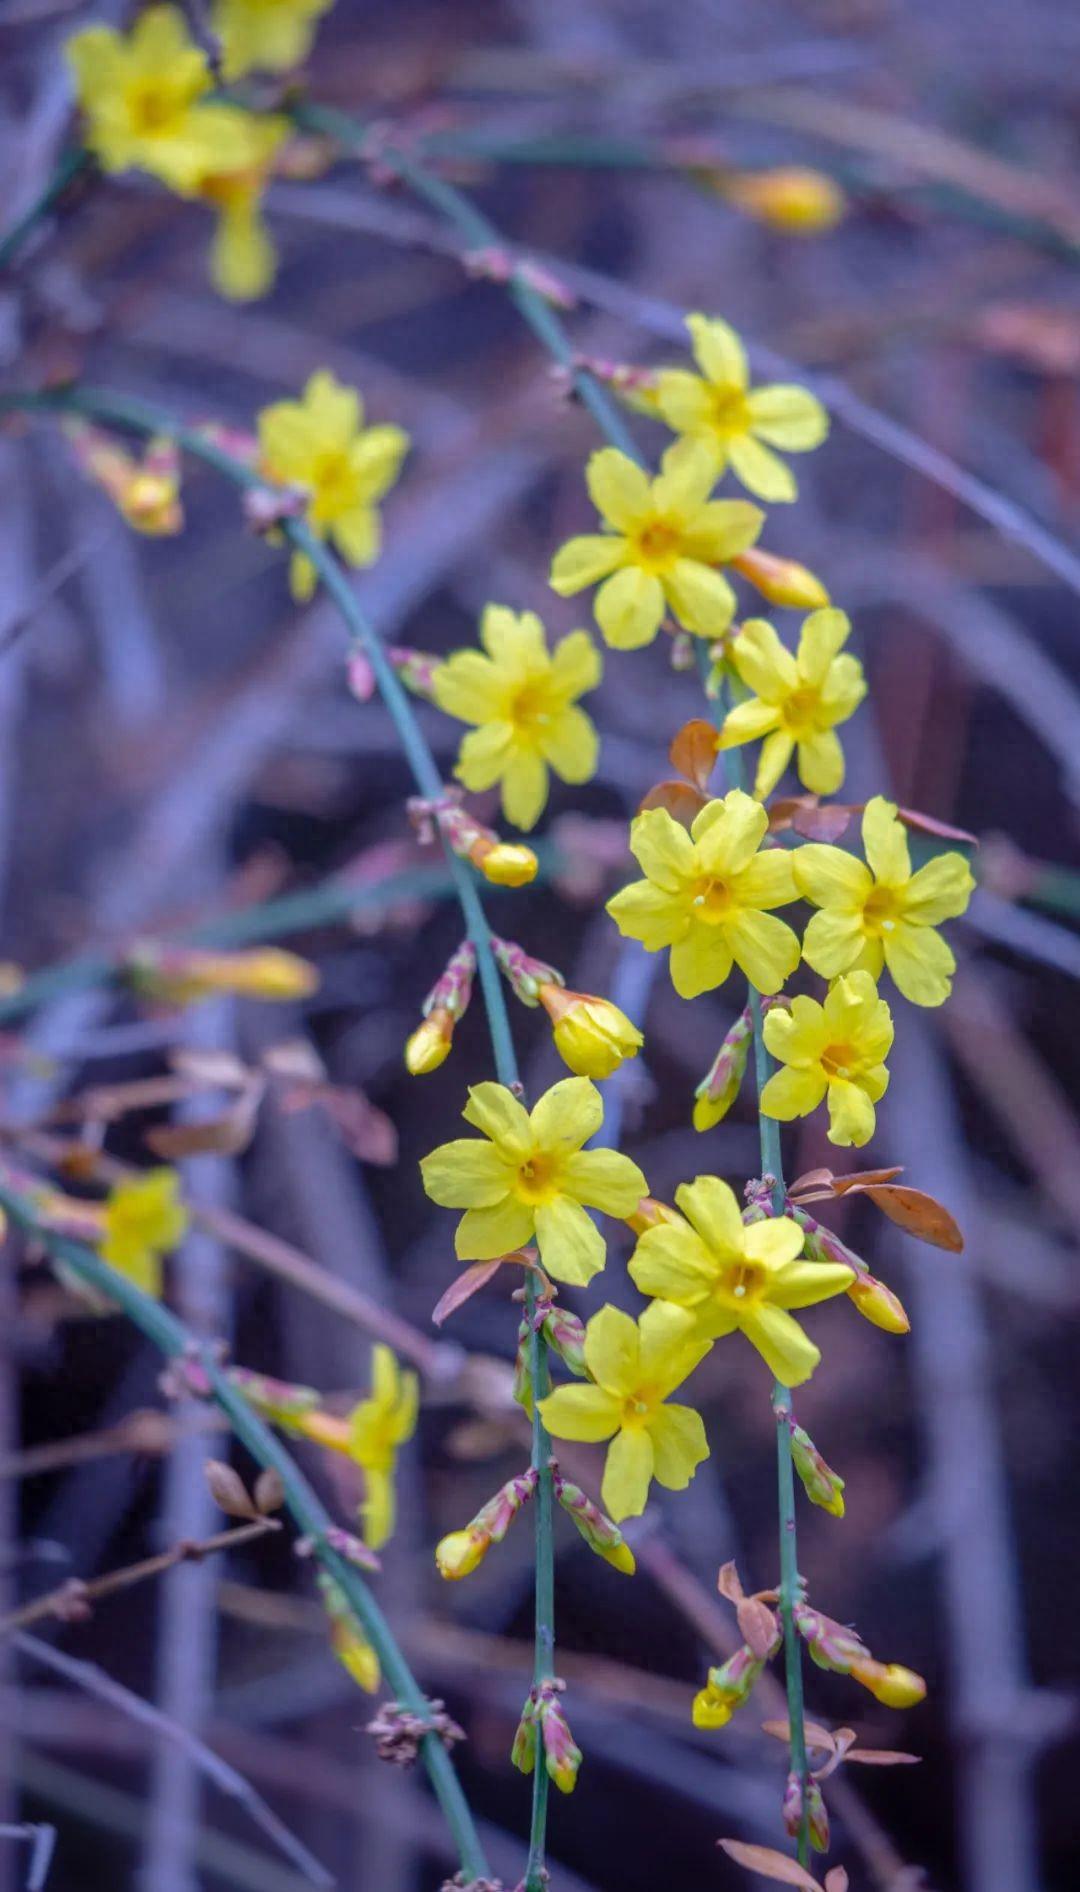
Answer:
x=523 y=700
x=143 y=1219
x=733 y=1275
x=666 y=537
x=377 y=1426
x=529 y=1176
x=797 y=700
x=738 y=423
x=881 y=913
x=838 y=1050
x=634 y=1365
x=265 y=35
x=143 y=98
x=706 y=895
x=320 y=444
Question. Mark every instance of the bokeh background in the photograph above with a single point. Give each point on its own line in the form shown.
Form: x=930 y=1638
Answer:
x=177 y=741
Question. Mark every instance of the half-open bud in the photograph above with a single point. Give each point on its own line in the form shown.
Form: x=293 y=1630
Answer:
x=504 y=863
x=145 y=492
x=781 y=580
x=720 y=1086
x=592 y=1035
x=821 y=1484
x=803 y=1801
x=347 y=1639
x=879 y=1304
x=525 y=975
x=650 y=1212
x=727 y=1689
x=601 y=1535
x=460 y=1552
x=890 y=1683
x=429 y=1044
x=562 y=1756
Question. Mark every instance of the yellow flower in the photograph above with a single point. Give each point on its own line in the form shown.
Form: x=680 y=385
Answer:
x=377 y=1426
x=145 y=491
x=791 y=198
x=591 y=1034
x=736 y=1275
x=265 y=35
x=882 y=913
x=666 y=536
x=634 y=1366
x=320 y=444
x=704 y=894
x=531 y=1178
x=718 y=408
x=243 y=261
x=143 y=1219
x=838 y=1049
x=142 y=98
x=524 y=701
x=797 y=700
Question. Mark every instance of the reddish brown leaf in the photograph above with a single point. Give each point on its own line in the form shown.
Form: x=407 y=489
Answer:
x=693 y=751
x=228 y=1490
x=757 y=1625
x=823 y=824
x=836 y=1879
x=883 y=1757
x=858 y=1178
x=813 y=1179
x=770 y=1864
x=816 y=1735
x=728 y=1583
x=844 y=1739
x=476 y=1276
x=365 y=1130
x=928 y=824
x=225 y=1135
x=915 y=1212
x=681 y=799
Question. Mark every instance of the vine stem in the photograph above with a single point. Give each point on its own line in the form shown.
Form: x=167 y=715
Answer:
x=67 y=168
x=174 y=1340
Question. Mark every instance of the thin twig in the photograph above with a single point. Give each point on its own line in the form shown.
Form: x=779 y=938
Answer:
x=71 y=1599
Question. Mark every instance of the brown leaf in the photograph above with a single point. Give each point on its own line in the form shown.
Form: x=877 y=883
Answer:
x=269 y=1491
x=816 y=1735
x=224 y=1135
x=915 y=1212
x=770 y=1864
x=681 y=800
x=812 y=1179
x=364 y=1129
x=807 y=816
x=228 y=1490
x=728 y=1583
x=466 y=1284
x=843 y=1740
x=856 y=1178
x=836 y=1879
x=693 y=751
x=758 y=1626
x=884 y=1757
x=928 y=824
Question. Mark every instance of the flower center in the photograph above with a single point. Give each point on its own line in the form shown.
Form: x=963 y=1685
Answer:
x=882 y=910
x=743 y=1281
x=332 y=482
x=636 y=1408
x=729 y=413
x=151 y=106
x=529 y=707
x=800 y=711
x=537 y=1178
x=658 y=544
x=713 y=902
x=839 y=1060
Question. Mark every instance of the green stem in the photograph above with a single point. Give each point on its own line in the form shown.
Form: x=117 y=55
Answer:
x=174 y=1340
x=68 y=167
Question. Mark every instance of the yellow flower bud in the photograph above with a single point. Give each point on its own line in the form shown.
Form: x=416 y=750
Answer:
x=507 y=864
x=711 y=1708
x=358 y=1656
x=267 y=974
x=781 y=580
x=649 y=1213
x=621 y=1557
x=890 y=1684
x=879 y=1304
x=592 y=1035
x=460 y=1552
x=791 y=198
x=150 y=502
x=429 y=1045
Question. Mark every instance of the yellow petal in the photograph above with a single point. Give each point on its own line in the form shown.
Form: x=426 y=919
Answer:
x=567 y=1115
x=484 y=1233
x=468 y=685
x=485 y=755
x=576 y=664
x=377 y=1512
x=495 y=1110
x=584 y=560
x=524 y=786
x=823 y=635
x=685 y=402
x=571 y=1246
x=357 y=534
x=514 y=640
x=627 y=1473
x=719 y=531
x=761 y=471
x=605 y=1179
x=851 y=1114
x=787 y=1352
x=649 y=914
x=747 y=722
x=793 y=1093
x=834 y=941
x=671 y=1346
x=821 y=763
x=701 y=961
x=629 y=608
x=686 y=478
x=700 y=598
x=679 y=1445
x=570 y=745
x=776 y=1242
x=618 y=488
x=939 y=891
x=921 y=963
x=375 y=460
x=585 y=1413
x=799 y=1035
x=764 y=947
x=335 y=410
x=788 y=418
x=613 y=1351
x=712 y=1208
x=728 y=842
x=718 y=352
x=662 y=848
x=805 y=1283
x=765 y=665
x=830 y=877
x=674 y=1263
x=885 y=842
x=773 y=760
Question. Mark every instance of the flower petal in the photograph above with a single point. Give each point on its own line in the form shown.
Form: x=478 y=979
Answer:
x=524 y=785
x=718 y=352
x=674 y=1263
x=514 y=640
x=788 y=417
x=585 y=560
x=885 y=842
x=627 y=1473
x=484 y=1233
x=777 y=1242
x=662 y=848
x=764 y=947
x=671 y=1346
x=571 y=1247
x=768 y=880
x=629 y=608
x=679 y=1445
x=468 y=1173
x=605 y=1179
x=773 y=760
x=760 y=470
x=765 y=665
x=805 y=1283
x=830 y=877
x=939 y=891
x=468 y=686
x=921 y=963
x=576 y=664
x=495 y=1110
x=700 y=961
x=821 y=763
x=823 y=634
x=833 y=940
x=851 y=1114
x=618 y=488
x=793 y=1092
x=722 y=529
x=712 y=1208
x=485 y=755
x=787 y=1352
x=684 y=401
x=570 y=745
x=567 y=1115
x=701 y=598
x=687 y=476
x=649 y=914
x=585 y=1413
x=797 y=1035
x=728 y=842
x=613 y=1351
x=747 y=721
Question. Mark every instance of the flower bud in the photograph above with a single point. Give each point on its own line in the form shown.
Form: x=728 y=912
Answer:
x=890 y=1684
x=429 y=1045
x=565 y=1335
x=525 y=975
x=347 y=1639
x=649 y=1213
x=781 y=580
x=879 y=1304
x=179 y=975
x=145 y=492
x=792 y=198
x=597 y=1529
x=505 y=863
x=562 y=1756
x=523 y=1751
x=727 y=1688
x=803 y=1801
x=720 y=1086
x=283 y=1402
x=821 y=1484
x=592 y=1035
x=416 y=668
x=461 y=1551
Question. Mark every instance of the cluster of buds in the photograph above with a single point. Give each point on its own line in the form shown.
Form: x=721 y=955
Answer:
x=833 y=1646
x=544 y=1728
x=146 y=491
x=721 y=1084
x=592 y=1036
x=448 y=1000
x=504 y=863
x=563 y=1332
x=729 y=1687
x=460 y=1552
x=636 y=387
x=874 y=1301
x=601 y=1535
x=180 y=975
x=821 y=1484
x=803 y=1803
x=416 y=668
x=350 y=1645
x=495 y=264
x=398 y=1732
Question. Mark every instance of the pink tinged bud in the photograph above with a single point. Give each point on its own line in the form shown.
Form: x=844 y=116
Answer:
x=878 y=1304
x=504 y=863
x=351 y=1548
x=650 y=1212
x=821 y=1484
x=448 y=1000
x=347 y=1639
x=565 y=1335
x=523 y=1751
x=832 y=1645
x=562 y=1756
x=285 y=1404
x=822 y=1245
x=721 y=1084
x=458 y=1554
x=416 y=668
x=791 y=1807
x=804 y=1801
x=601 y=1535
x=522 y=1388
x=429 y=1045
x=360 y=676
x=727 y=1689
x=525 y=975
